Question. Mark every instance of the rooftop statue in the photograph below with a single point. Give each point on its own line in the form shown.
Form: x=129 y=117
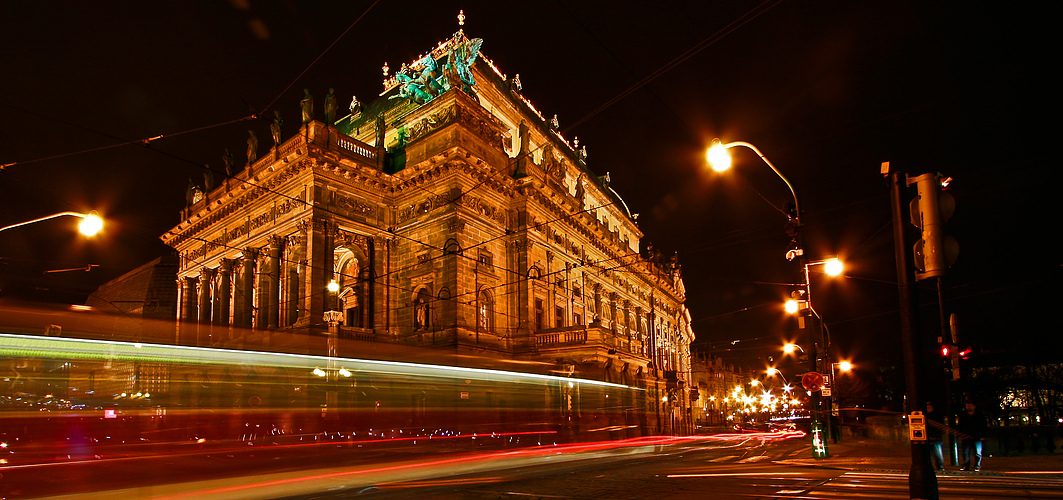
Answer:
x=252 y=147
x=193 y=193
x=356 y=107
x=554 y=124
x=418 y=85
x=330 y=107
x=227 y=160
x=208 y=178
x=276 y=127
x=307 y=106
x=459 y=61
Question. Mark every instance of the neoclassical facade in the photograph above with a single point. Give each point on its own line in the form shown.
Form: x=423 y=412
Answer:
x=451 y=214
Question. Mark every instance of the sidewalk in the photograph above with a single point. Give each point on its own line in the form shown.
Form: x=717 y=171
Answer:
x=895 y=456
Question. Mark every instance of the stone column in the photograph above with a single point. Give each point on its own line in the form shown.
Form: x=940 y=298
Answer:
x=223 y=293
x=206 y=275
x=189 y=312
x=245 y=289
x=292 y=282
x=276 y=249
x=320 y=246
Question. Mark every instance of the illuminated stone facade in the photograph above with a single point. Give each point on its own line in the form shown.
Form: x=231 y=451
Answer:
x=464 y=222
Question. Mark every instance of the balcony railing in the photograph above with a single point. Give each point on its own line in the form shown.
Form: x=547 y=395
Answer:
x=586 y=335
x=559 y=336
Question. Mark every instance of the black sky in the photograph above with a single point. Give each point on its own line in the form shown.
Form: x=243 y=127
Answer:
x=827 y=90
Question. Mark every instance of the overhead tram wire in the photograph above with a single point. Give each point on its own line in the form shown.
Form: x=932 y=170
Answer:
x=146 y=142
x=689 y=53
x=697 y=48
x=318 y=58
x=711 y=39
x=715 y=37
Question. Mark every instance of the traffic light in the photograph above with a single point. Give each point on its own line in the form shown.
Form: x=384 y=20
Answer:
x=945 y=351
x=935 y=251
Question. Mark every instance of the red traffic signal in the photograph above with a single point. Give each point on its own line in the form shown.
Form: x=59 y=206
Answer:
x=944 y=351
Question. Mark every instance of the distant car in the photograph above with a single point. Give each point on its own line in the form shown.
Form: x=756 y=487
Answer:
x=791 y=424
x=752 y=427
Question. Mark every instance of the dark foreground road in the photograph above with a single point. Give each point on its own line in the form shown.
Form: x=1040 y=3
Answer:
x=718 y=467
x=739 y=469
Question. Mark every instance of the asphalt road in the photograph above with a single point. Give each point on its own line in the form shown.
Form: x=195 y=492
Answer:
x=740 y=469
x=718 y=467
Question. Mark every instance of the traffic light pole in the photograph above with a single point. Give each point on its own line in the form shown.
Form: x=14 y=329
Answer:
x=946 y=339
x=922 y=482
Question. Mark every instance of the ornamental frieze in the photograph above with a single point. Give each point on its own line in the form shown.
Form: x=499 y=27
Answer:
x=348 y=239
x=356 y=206
x=481 y=207
x=434 y=121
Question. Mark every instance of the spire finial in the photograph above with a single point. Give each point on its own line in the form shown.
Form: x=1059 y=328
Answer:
x=461 y=17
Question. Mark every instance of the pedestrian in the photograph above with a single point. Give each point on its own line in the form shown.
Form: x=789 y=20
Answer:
x=934 y=427
x=971 y=426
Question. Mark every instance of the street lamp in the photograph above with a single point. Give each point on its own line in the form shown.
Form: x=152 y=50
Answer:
x=772 y=371
x=833 y=267
x=90 y=224
x=720 y=161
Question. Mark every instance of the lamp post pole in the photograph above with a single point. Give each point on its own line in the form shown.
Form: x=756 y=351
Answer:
x=333 y=318
x=90 y=224
x=718 y=157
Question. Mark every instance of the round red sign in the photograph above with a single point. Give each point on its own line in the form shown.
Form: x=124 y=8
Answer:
x=812 y=381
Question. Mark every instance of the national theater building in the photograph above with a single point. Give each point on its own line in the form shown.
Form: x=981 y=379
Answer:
x=447 y=213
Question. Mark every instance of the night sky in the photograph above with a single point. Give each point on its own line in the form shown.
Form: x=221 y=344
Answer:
x=827 y=90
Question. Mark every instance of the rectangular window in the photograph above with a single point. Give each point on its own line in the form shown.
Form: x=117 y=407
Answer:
x=577 y=319
x=559 y=316
x=538 y=314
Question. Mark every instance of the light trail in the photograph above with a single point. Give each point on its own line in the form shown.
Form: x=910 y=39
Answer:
x=52 y=347
x=539 y=451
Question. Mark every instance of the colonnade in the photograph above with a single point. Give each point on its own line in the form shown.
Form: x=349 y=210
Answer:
x=226 y=295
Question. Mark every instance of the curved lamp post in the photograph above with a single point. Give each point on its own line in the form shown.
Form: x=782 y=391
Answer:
x=720 y=161
x=90 y=224
x=772 y=371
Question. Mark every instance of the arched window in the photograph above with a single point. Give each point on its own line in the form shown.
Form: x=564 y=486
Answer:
x=421 y=310
x=484 y=312
x=351 y=294
x=451 y=247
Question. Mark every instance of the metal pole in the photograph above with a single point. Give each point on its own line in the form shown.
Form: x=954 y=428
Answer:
x=946 y=338
x=922 y=482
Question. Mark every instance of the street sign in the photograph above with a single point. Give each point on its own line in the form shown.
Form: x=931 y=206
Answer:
x=812 y=381
x=825 y=391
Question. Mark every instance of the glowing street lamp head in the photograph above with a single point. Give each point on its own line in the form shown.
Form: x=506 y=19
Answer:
x=791 y=306
x=333 y=286
x=772 y=371
x=717 y=157
x=789 y=348
x=845 y=366
x=754 y=382
x=833 y=267
x=90 y=224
